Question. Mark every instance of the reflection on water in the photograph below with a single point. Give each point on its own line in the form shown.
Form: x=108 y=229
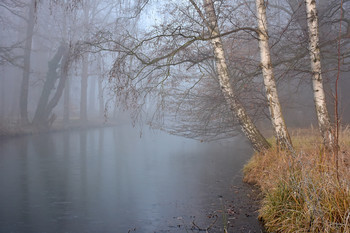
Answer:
x=111 y=180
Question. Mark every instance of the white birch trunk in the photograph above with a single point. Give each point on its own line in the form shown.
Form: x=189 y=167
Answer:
x=258 y=142
x=317 y=83
x=278 y=123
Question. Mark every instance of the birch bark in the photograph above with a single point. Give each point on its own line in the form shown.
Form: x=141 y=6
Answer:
x=317 y=83
x=257 y=140
x=281 y=133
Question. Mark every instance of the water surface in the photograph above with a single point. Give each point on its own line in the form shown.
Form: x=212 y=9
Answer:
x=115 y=180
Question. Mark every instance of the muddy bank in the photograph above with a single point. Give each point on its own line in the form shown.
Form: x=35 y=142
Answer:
x=246 y=202
x=239 y=211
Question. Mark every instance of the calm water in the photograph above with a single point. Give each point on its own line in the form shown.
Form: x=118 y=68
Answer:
x=113 y=180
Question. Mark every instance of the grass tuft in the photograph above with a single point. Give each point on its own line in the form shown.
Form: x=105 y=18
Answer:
x=303 y=192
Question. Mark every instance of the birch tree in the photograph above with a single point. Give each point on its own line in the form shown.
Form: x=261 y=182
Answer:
x=277 y=119
x=181 y=43
x=317 y=83
x=250 y=130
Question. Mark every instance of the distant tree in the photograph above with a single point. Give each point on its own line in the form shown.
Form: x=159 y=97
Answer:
x=85 y=63
x=100 y=87
x=43 y=117
x=26 y=61
x=97 y=17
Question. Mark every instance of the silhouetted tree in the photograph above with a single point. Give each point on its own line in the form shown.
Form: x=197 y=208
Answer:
x=45 y=105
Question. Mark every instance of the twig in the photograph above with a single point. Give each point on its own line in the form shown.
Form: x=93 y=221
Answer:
x=336 y=149
x=205 y=229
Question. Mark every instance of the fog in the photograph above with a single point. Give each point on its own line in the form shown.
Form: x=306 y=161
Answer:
x=116 y=77
x=67 y=62
x=48 y=74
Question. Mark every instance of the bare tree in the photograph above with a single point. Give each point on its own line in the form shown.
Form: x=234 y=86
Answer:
x=85 y=62
x=178 y=46
x=100 y=87
x=250 y=130
x=26 y=61
x=45 y=105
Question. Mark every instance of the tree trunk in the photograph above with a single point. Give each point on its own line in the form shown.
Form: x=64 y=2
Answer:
x=100 y=99
x=317 y=83
x=281 y=133
x=92 y=95
x=258 y=141
x=66 y=102
x=3 y=104
x=84 y=86
x=62 y=81
x=26 y=63
x=100 y=89
x=44 y=106
x=84 y=71
x=64 y=70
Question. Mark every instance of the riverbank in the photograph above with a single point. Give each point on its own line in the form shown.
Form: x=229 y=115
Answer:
x=9 y=129
x=306 y=191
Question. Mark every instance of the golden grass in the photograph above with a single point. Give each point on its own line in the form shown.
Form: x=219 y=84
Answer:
x=303 y=192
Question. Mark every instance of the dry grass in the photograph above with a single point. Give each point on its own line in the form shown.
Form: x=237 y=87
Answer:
x=304 y=192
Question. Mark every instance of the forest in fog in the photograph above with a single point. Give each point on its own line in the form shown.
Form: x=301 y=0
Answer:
x=276 y=72
x=188 y=67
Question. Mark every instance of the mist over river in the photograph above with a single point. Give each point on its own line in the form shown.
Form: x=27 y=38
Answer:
x=121 y=179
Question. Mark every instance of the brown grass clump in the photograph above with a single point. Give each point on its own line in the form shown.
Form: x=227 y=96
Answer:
x=303 y=192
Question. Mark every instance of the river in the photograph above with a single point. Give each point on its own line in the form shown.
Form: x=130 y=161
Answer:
x=123 y=180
